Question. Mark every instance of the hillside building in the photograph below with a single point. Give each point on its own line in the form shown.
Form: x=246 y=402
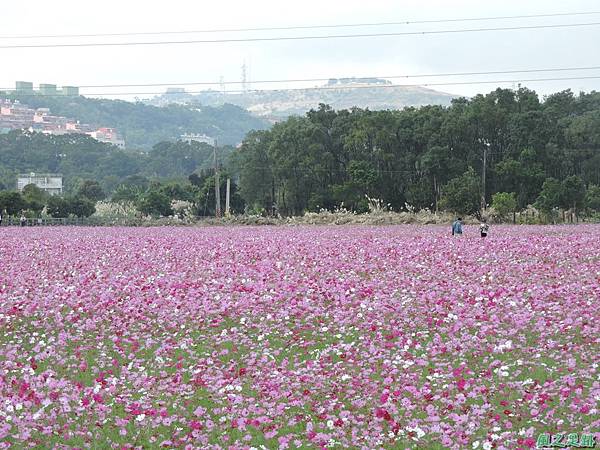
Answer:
x=51 y=183
x=24 y=87
x=202 y=138
x=48 y=89
x=16 y=116
x=108 y=136
x=70 y=91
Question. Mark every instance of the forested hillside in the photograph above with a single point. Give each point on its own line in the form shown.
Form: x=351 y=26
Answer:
x=143 y=125
x=80 y=157
x=429 y=157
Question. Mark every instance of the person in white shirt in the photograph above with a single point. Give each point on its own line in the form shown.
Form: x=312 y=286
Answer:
x=484 y=228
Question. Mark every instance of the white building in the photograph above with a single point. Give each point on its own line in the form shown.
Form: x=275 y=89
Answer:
x=189 y=137
x=108 y=136
x=49 y=182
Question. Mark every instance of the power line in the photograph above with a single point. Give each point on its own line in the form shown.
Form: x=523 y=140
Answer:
x=357 y=79
x=329 y=88
x=305 y=27
x=297 y=38
x=412 y=171
x=330 y=170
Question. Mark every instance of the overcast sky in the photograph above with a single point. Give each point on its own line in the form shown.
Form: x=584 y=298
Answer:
x=373 y=56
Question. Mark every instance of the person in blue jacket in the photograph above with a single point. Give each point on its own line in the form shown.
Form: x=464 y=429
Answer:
x=457 y=227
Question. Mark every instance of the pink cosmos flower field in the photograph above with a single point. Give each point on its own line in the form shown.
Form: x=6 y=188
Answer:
x=297 y=337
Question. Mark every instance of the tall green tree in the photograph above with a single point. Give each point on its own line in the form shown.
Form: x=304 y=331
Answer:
x=256 y=167
x=92 y=190
x=12 y=202
x=154 y=203
x=462 y=194
x=504 y=203
x=80 y=206
x=573 y=193
x=592 y=198
x=550 y=196
x=34 y=197
x=58 y=207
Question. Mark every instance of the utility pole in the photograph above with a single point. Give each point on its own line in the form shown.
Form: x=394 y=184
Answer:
x=244 y=77
x=222 y=84
x=217 y=187
x=486 y=146
x=227 y=197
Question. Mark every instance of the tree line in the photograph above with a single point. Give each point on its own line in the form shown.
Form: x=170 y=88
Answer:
x=148 y=197
x=32 y=201
x=79 y=157
x=537 y=152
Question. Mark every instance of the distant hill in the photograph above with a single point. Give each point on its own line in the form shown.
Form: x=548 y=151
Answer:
x=345 y=93
x=144 y=125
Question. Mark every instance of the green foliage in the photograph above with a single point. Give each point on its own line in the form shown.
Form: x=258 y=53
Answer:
x=420 y=194
x=80 y=206
x=572 y=193
x=76 y=157
x=155 y=198
x=69 y=206
x=550 y=196
x=592 y=198
x=176 y=191
x=331 y=157
x=91 y=190
x=524 y=176
x=363 y=174
x=35 y=198
x=205 y=194
x=91 y=169
x=362 y=181
x=12 y=202
x=130 y=189
x=57 y=207
x=179 y=159
x=417 y=156
x=154 y=203
x=126 y=193
x=461 y=194
x=504 y=203
x=254 y=160
x=31 y=192
x=349 y=194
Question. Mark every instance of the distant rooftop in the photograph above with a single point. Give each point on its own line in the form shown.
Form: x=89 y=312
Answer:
x=40 y=174
x=346 y=81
